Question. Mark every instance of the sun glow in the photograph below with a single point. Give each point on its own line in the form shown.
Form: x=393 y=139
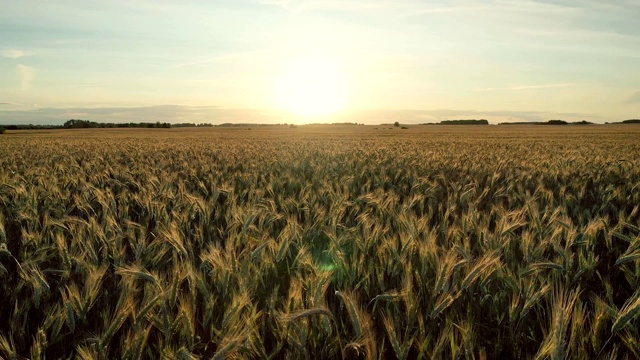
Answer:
x=311 y=86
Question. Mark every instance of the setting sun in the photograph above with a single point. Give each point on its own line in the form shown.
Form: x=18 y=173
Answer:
x=311 y=86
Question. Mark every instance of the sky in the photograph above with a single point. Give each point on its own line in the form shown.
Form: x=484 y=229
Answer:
x=411 y=61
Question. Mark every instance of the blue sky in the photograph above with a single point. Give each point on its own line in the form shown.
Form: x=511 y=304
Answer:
x=417 y=61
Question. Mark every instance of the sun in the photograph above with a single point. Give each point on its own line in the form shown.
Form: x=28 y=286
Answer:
x=311 y=86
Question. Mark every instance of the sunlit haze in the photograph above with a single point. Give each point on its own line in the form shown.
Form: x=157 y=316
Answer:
x=311 y=86
x=302 y=61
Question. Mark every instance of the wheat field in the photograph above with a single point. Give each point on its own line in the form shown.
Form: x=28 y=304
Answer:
x=325 y=242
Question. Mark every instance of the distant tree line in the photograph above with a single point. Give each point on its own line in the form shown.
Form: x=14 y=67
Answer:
x=192 y=125
x=280 y=124
x=86 y=124
x=465 y=122
x=31 y=127
x=461 y=122
x=631 y=121
x=549 y=122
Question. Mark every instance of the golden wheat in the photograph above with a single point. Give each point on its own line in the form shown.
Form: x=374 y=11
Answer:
x=321 y=242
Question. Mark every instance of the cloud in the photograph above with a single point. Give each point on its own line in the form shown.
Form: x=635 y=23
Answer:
x=12 y=106
x=215 y=115
x=425 y=10
x=122 y=114
x=633 y=99
x=325 y=5
x=224 y=57
x=412 y=8
x=528 y=87
x=27 y=76
x=436 y=115
x=13 y=54
x=404 y=8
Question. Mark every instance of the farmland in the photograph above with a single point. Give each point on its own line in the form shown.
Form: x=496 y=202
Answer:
x=321 y=242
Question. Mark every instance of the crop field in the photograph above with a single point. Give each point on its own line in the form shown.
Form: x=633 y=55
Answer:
x=358 y=242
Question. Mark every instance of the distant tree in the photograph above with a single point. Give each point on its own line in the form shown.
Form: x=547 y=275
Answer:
x=1 y=130
x=631 y=121
x=185 y=125
x=79 y=124
x=465 y=122
x=396 y=124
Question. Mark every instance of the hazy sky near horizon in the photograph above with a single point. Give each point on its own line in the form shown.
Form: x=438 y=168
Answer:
x=509 y=60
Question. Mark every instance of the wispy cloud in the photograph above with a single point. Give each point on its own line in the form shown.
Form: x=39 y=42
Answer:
x=615 y=4
x=27 y=75
x=542 y=6
x=436 y=115
x=403 y=8
x=13 y=54
x=12 y=106
x=427 y=9
x=216 y=115
x=408 y=8
x=633 y=99
x=327 y=5
x=120 y=114
x=223 y=57
x=527 y=87
x=578 y=34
